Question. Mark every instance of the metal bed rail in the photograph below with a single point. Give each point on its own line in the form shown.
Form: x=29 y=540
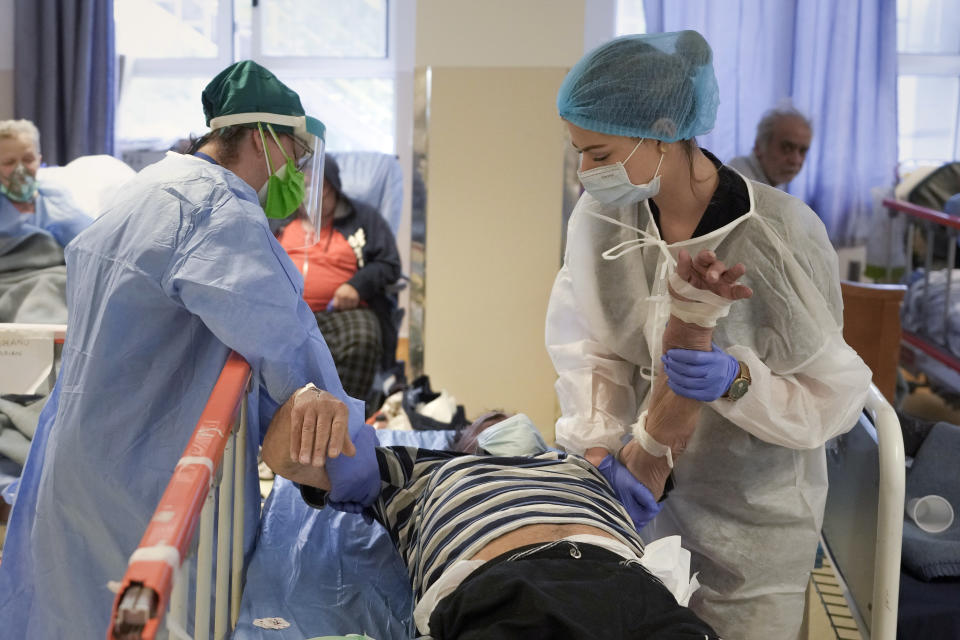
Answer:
x=929 y=220
x=210 y=472
x=886 y=566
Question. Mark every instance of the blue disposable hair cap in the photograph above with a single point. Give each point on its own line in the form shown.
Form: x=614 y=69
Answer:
x=659 y=86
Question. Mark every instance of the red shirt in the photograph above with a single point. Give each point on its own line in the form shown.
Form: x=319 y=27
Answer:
x=325 y=265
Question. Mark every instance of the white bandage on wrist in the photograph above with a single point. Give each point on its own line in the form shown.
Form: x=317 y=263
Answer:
x=704 y=308
x=650 y=445
x=307 y=387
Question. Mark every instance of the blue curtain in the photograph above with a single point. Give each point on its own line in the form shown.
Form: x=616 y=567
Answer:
x=64 y=65
x=837 y=63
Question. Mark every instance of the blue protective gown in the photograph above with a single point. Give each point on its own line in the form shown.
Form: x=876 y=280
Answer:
x=55 y=212
x=179 y=270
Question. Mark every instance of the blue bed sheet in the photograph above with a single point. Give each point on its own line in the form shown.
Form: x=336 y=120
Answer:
x=325 y=572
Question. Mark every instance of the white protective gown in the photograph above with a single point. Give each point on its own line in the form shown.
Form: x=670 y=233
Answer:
x=751 y=486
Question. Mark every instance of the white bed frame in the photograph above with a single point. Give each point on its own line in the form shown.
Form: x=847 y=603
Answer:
x=863 y=522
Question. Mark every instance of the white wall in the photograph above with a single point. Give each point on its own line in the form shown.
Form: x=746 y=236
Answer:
x=6 y=59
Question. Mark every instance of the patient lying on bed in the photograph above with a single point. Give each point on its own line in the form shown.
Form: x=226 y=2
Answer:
x=507 y=546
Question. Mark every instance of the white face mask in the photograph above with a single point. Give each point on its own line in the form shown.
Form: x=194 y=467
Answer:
x=611 y=185
x=515 y=436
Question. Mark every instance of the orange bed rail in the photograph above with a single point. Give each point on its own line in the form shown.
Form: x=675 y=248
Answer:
x=144 y=593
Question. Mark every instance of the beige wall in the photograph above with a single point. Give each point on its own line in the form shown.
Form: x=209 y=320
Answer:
x=499 y=33
x=494 y=194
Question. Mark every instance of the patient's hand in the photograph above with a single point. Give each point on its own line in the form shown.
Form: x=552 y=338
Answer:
x=710 y=274
x=707 y=273
x=310 y=427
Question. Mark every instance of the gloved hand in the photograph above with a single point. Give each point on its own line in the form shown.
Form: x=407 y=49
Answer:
x=635 y=497
x=355 y=481
x=700 y=375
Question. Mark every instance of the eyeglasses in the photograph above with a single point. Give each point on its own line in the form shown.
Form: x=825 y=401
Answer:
x=303 y=153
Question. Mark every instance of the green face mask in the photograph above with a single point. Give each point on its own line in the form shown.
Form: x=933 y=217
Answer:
x=284 y=190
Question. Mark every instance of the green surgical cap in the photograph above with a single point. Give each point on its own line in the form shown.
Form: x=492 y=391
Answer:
x=658 y=86
x=247 y=87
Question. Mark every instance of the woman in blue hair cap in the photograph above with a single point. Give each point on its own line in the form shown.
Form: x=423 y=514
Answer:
x=779 y=381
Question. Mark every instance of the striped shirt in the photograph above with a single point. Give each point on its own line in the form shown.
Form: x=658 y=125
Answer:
x=442 y=506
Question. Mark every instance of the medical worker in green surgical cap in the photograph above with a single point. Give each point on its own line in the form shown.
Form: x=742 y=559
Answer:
x=181 y=269
x=779 y=382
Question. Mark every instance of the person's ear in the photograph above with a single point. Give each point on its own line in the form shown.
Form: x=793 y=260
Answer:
x=256 y=142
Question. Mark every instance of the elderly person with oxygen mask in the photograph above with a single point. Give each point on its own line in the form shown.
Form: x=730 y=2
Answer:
x=27 y=205
x=779 y=380
x=180 y=269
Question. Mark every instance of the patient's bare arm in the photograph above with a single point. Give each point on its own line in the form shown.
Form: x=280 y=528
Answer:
x=672 y=419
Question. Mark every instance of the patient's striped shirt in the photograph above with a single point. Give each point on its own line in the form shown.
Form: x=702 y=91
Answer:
x=441 y=506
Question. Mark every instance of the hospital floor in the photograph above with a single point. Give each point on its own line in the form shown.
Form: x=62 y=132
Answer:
x=828 y=616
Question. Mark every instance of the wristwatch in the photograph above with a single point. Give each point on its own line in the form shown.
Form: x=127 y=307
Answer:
x=738 y=388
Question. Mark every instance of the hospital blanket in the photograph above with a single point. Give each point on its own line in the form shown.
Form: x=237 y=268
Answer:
x=326 y=572
x=924 y=314
x=19 y=416
x=929 y=555
x=33 y=280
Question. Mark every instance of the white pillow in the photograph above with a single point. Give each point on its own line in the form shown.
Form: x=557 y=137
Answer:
x=91 y=180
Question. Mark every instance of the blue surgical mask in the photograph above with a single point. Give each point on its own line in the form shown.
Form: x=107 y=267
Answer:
x=515 y=436
x=611 y=185
x=20 y=186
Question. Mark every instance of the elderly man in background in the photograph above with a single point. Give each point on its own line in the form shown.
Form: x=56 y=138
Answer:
x=783 y=138
x=23 y=201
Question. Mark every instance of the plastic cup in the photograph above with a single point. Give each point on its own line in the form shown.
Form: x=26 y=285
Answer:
x=931 y=513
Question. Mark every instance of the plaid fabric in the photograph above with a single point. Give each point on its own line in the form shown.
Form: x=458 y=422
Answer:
x=354 y=341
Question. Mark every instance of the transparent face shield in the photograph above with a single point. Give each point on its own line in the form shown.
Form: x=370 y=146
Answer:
x=308 y=134
x=311 y=210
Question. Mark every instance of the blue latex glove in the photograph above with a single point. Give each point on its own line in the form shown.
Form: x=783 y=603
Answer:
x=632 y=494
x=700 y=375
x=329 y=307
x=355 y=481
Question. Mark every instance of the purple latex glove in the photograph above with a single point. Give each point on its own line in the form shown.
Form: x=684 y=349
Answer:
x=329 y=307
x=355 y=481
x=632 y=494
x=700 y=375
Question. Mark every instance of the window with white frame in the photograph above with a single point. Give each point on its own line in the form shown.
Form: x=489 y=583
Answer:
x=928 y=81
x=630 y=17
x=337 y=54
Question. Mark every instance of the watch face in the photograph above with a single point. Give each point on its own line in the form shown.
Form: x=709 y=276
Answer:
x=739 y=388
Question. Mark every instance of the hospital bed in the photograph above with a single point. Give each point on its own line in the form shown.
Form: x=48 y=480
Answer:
x=29 y=355
x=313 y=573
x=931 y=314
x=316 y=573
x=863 y=519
